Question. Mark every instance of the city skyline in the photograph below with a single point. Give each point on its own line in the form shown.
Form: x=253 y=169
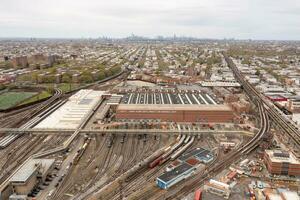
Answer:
x=267 y=20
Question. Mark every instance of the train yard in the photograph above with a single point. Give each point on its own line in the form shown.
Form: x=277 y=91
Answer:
x=180 y=190
x=120 y=139
x=88 y=164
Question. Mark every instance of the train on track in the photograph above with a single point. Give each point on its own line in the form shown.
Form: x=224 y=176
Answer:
x=198 y=194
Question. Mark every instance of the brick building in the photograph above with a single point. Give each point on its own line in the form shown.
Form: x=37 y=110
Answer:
x=176 y=112
x=20 y=62
x=38 y=58
x=228 y=96
x=294 y=104
x=281 y=162
x=241 y=107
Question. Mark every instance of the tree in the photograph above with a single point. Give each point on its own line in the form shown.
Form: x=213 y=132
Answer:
x=27 y=78
x=246 y=61
x=102 y=68
x=8 y=65
x=67 y=78
x=53 y=70
x=48 y=79
x=2 y=87
x=35 y=77
x=86 y=77
x=108 y=73
x=101 y=75
x=257 y=73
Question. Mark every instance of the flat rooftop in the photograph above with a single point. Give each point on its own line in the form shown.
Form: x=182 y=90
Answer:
x=220 y=83
x=28 y=169
x=274 y=156
x=190 y=154
x=180 y=169
x=199 y=153
x=71 y=114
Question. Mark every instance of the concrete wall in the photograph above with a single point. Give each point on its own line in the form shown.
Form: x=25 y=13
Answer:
x=27 y=187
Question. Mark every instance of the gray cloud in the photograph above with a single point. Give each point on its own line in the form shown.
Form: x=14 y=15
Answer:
x=257 y=19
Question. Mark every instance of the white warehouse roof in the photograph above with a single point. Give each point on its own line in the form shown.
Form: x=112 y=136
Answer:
x=72 y=113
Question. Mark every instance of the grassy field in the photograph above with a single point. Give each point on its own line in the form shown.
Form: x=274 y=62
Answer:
x=45 y=94
x=40 y=96
x=10 y=99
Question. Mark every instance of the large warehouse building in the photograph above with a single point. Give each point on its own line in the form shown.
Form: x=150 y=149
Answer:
x=176 y=112
x=71 y=114
x=185 y=106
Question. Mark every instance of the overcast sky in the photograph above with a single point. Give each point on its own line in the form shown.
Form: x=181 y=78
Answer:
x=240 y=19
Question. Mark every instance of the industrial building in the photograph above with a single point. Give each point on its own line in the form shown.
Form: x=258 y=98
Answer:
x=27 y=177
x=176 y=113
x=281 y=162
x=294 y=104
x=202 y=155
x=71 y=114
x=218 y=188
x=169 y=105
x=172 y=177
x=183 y=167
x=30 y=173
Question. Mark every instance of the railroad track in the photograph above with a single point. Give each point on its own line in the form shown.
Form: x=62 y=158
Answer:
x=199 y=179
x=15 y=118
x=24 y=117
x=68 y=184
x=132 y=144
x=185 y=187
x=16 y=112
x=284 y=123
x=99 y=146
x=20 y=156
x=127 y=151
x=143 y=177
x=19 y=118
x=109 y=163
x=102 y=169
x=8 y=152
x=148 y=181
x=36 y=116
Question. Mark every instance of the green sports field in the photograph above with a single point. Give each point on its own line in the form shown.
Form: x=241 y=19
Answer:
x=10 y=99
